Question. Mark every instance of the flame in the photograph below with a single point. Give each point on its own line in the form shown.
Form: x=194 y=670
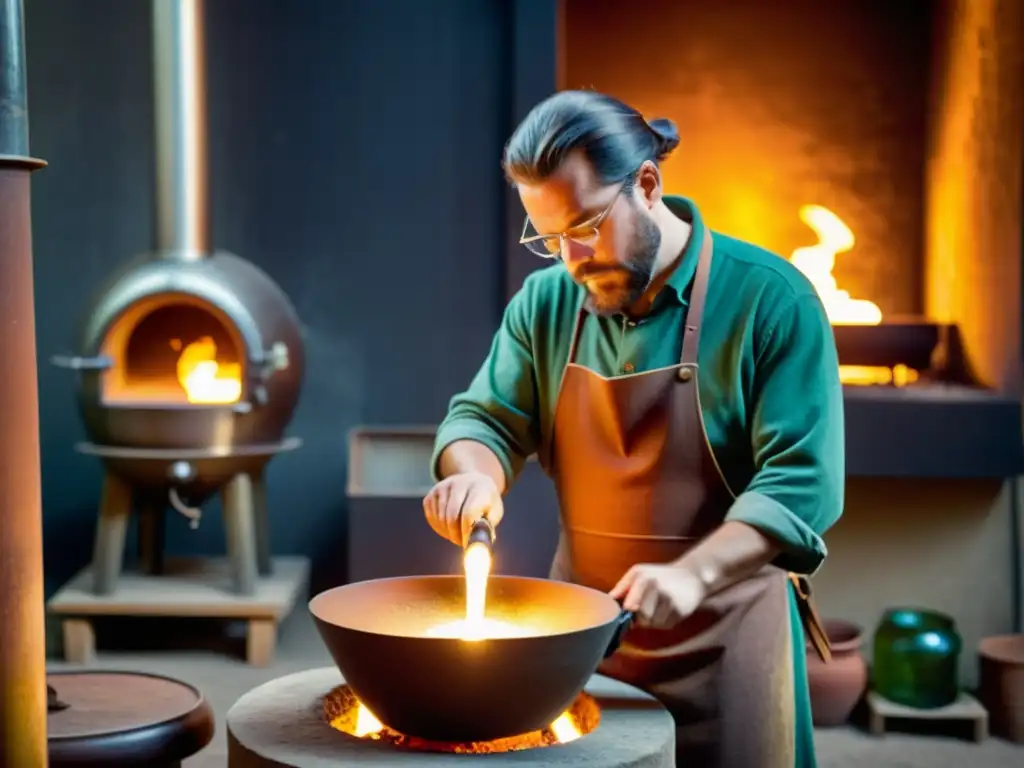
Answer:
x=565 y=729
x=204 y=379
x=817 y=262
x=367 y=723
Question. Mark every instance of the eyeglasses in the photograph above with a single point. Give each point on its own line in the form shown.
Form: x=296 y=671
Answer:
x=586 y=234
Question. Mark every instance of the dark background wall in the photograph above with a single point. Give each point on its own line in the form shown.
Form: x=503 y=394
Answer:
x=354 y=156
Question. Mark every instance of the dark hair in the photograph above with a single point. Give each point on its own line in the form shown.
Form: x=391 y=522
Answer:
x=615 y=138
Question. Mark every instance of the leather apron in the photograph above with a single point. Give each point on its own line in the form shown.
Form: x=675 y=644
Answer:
x=637 y=483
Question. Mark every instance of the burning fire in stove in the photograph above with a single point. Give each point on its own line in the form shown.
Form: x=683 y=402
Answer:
x=817 y=262
x=353 y=717
x=204 y=380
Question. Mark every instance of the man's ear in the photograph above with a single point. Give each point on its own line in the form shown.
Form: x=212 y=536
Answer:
x=648 y=183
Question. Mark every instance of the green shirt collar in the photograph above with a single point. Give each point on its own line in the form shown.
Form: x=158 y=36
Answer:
x=680 y=280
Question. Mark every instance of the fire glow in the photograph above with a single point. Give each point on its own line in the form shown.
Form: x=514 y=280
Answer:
x=204 y=380
x=817 y=263
x=345 y=714
x=475 y=627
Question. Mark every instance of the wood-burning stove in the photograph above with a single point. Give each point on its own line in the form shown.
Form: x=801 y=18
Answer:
x=191 y=359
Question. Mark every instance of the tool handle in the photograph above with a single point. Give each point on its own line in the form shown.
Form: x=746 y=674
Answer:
x=622 y=623
x=482 y=533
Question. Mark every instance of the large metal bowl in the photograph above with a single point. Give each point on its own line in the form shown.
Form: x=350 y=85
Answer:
x=447 y=689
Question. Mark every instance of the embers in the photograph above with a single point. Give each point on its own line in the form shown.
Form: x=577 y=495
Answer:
x=345 y=713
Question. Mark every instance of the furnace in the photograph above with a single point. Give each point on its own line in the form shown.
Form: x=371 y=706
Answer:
x=305 y=720
x=876 y=146
x=190 y=361
x=189 y=367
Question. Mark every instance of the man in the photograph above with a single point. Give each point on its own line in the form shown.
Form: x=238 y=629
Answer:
x=682 y=391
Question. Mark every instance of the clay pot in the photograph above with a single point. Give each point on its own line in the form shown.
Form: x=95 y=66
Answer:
x=1001 y=685
x=837 y=686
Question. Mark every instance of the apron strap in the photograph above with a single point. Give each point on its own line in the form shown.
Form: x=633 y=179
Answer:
x=813 y=626
x=577 y=331
x=699 y=292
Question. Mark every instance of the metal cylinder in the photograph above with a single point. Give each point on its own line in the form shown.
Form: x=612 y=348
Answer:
x=179 y=87
x=482 y=533
x=23 y=644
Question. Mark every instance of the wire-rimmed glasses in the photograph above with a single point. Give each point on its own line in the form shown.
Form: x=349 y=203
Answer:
x=585 y=234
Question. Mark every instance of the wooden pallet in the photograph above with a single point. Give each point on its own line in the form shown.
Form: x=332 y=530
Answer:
x=966 y=709
x=191 y=588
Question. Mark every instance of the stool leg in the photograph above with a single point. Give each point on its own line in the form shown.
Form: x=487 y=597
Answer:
x=151 y=537
x=237 y=504
x=261 y=521
x=79 y=641
x=260 y=642
x=108 y=546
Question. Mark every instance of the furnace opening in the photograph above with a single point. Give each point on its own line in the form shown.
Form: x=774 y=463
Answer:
x=874 y=145
x=176 y=352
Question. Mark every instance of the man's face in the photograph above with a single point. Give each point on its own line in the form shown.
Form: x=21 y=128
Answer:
x=616 y=266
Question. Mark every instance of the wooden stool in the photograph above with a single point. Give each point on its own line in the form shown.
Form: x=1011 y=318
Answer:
x=966 y=709
x=244 y=510
x=124 y=719
x=135 y=481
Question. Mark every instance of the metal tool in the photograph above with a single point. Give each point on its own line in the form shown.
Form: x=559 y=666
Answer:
x=482 y=533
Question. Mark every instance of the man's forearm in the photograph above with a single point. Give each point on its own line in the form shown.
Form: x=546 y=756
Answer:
x=471 y=456
x=733 y=552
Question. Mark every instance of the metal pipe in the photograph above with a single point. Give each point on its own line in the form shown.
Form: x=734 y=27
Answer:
x=179 y=85
x=23 y=643
x=482 y=534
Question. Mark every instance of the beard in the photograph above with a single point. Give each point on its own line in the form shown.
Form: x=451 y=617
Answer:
x=611 y=290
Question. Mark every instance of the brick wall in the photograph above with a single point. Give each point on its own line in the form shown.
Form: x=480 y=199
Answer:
x=973 y=201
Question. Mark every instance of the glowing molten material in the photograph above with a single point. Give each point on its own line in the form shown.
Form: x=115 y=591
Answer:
x=476 y=564
x=204 y=380
x=817 y=262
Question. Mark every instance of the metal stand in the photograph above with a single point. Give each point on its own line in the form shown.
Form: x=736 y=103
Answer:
x=23 y=644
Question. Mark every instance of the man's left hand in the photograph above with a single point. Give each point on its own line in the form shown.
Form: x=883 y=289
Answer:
x=661 y=596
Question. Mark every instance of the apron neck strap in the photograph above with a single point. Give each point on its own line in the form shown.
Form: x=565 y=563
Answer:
x=577 y=329
x=698 y=294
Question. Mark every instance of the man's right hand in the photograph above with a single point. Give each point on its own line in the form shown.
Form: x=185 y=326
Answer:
x=459 y=501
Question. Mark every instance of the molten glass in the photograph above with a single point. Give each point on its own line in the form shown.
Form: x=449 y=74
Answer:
x=476 y=563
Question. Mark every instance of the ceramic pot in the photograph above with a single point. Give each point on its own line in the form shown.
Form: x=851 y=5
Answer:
x=837 y=686
x=1001 y=685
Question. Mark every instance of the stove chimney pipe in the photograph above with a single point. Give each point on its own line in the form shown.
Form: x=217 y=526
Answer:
x=179 y=80
x=22 y=636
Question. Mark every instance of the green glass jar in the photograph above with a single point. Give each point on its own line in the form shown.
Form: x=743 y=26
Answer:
x=917 y=658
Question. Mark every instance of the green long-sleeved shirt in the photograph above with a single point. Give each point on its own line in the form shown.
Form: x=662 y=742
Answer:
x=769 y=382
